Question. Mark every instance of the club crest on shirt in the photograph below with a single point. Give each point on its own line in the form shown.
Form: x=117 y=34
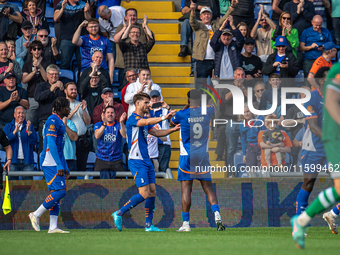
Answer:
x=51 y=128
x=310 y=109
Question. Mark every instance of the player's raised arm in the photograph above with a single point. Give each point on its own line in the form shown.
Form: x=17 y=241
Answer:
x=153 y=121
x=164 y=132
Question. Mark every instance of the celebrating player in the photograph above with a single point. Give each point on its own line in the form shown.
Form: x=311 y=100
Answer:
x=140 y=165
x=54 y=165
x=194 y=158
x=331 y=140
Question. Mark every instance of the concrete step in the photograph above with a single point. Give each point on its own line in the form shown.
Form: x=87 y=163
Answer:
x=175 y=145
x=168 y=58
x=174 y=71
x=167 y=38
x=150 y=6
x=161 y=28
x=173 y=80
x=165 y=49
x=160 y=15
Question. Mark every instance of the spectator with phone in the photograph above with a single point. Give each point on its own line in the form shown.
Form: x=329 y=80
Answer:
x=312 y=41
x=159 y=109
x=281 y=61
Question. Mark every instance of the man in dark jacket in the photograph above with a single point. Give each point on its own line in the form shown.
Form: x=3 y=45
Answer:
x=281 y=62
x=223 y=38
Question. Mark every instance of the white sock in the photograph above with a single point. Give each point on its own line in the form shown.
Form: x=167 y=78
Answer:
x=185 y=222
x=53 y=222
x=39 y=211
x=334 y=215
x=217 y=216
x=303 y=219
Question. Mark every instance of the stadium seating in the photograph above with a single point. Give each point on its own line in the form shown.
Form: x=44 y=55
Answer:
x=66 y=73
x=49 y=14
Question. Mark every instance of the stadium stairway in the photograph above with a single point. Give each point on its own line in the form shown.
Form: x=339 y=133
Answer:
x=167 y=69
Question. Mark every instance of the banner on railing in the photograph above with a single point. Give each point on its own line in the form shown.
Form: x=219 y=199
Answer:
x=267 y=202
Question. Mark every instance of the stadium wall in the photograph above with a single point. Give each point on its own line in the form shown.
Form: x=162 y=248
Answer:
x=88 y=204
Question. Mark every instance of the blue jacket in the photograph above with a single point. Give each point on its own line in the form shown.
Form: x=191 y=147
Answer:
x=250 y=134
x=234 y=50
x=28 y=142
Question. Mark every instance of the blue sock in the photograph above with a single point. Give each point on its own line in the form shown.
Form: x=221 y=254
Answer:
x=185 y=216
x=53 y=198
x=135 y=200
x=149 y=210
x=336 y=209
x=302 y=201
x=215 y=208
x=54 y=210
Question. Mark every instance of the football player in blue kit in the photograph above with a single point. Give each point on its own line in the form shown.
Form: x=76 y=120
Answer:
x=137 y=129
x=194 y=157
x=53 y=164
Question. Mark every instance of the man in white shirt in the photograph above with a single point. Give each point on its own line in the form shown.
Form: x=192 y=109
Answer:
x=109 y=20
x=80 y=117
x=143 y=84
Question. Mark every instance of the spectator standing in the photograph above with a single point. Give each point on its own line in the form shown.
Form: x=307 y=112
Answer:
x=164 y=143
x=227 y=55
x=8 y=65
x=109 y=134
x=23 y=139
x=131 y=77
x=267 y=96
x=23 y=43
x=10 y=21
x=8 y=149
x=143 y=84
x=51 y=52
x=70 y=14
x=11 y=53
x=277 y=7
x=251 y=64
x=35 y=16
x=80 y=116
x=45 y=93
x=135 y=52
x=94 y=42
x=244 y=12
x=130 y=14
x=109 y=20
x=263 y=34
x=70 y=145
x=325 y=60
x=33 y=74
x=259 y=88
x=302 y=13
x=336 y=20
x=312 y=41
x=11 y=96
x=286 y=29
x=281 y=61
x=95 y=67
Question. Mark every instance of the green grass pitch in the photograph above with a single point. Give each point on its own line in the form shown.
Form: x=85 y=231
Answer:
x=199 y=241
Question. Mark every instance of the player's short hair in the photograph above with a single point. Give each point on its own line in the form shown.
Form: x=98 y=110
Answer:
x=93 y=20
x=274 y=75
x=194 y=94
x=130 y=9
x=109 y=107
x=60 y=103
x=52 y=67
x=69 y=83
x=140 y=96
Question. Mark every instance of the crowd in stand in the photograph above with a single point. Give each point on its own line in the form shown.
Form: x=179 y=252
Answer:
x=228 y=43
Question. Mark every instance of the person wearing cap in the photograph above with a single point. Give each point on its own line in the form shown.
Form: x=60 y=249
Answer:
x=143 y=84
x=80 y=117
x=227 y=51
x=263 y=34
x=164 y=143
x=329 y=52
x=11 y=96
x=204 y=31
x=251 y=64
x=311 y=42
x=23 y=43
x=34 y=73
x=186 y=30
x=282 y=62
x=107 y=96
x=45 y=93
